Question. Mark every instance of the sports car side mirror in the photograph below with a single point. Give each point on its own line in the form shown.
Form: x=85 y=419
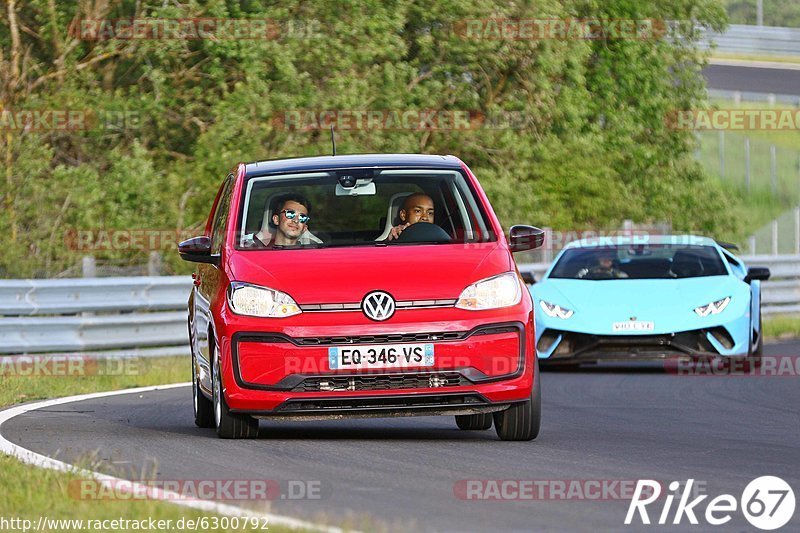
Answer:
x=198 y=250
x=759 y=273
x=521 y=238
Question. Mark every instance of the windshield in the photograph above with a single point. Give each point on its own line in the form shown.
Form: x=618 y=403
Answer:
x=360 y=207
x=650 y=261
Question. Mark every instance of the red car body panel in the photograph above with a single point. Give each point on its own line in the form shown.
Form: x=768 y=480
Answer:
x=503 y=361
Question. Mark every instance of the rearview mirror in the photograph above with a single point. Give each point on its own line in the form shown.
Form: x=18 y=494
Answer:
x=757 y=273
x=521 y=238
x=198 y=250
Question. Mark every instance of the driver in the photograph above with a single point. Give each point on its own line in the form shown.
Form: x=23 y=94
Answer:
x=418 y=207
x=604 y=269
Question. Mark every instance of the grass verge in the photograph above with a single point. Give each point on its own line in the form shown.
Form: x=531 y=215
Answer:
x=30 y=493
x=782 y=327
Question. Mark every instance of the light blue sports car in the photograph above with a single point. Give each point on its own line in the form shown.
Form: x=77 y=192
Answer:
x=647 y=297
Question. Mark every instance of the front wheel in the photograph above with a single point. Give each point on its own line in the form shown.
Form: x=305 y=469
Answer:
x=203 y=407
x=229 y=425
x=522 y=421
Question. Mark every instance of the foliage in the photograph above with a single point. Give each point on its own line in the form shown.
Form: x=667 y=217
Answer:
x=589 y=145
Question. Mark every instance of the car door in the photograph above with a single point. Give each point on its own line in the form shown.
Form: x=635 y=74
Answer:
x=207 y=280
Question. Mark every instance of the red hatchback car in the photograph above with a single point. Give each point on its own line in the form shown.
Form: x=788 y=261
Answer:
x=360 y=286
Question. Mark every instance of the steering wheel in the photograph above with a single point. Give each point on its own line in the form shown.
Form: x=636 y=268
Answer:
x=424 y=232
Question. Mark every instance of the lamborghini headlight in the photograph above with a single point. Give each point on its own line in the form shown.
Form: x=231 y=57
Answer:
x=555 y=311
x=713 y=308
x=491 y=293
x=252 y=300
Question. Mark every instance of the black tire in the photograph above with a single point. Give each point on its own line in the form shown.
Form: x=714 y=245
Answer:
x=474 y=422
x=754 y=355
x=229 y=425
x=203 y=407
x=759 y=350
x=522 y=421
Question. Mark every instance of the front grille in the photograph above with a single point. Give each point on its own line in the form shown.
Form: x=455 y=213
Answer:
x=381 y=339
x=403 y=337
x=580 y=344
x=381 y=382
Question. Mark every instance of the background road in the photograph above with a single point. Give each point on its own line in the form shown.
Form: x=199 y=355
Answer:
x=399 y=474
x=752 y=79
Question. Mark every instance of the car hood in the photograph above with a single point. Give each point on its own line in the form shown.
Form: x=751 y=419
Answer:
x=669 y=303
x=345 y=275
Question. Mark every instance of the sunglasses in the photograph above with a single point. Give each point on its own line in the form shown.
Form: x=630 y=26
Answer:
x=301 y=217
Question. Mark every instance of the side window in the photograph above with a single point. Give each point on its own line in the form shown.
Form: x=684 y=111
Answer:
x=220 y=223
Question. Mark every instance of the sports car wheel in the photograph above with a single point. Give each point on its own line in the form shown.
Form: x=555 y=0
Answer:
x=229 y=425
x=474 y=422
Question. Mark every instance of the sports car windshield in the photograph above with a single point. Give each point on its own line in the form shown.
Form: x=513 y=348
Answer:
x=360 y=207
x=667 y=261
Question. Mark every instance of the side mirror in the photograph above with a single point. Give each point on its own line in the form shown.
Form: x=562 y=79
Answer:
x=521 y=238
x=757 y=273
x=528 y=278
x=197 y=250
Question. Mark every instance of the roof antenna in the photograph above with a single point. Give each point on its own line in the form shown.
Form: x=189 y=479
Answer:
x=333 y=140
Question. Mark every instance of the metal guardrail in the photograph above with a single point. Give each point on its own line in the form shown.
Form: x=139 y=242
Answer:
x=88 y=314
x=68 y=296
x=71 y=315
x=755 y=40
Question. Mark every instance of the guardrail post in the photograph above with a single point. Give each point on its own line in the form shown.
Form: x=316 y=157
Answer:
x=752 y=242
x=154 y=264
x=773 y=168
x=747 y=163
x=759 y=12
x=775 y=237
x=89 y=267
x=797 y=230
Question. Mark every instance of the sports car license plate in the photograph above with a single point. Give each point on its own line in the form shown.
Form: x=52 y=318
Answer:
x=380 y=356
x=633 y=325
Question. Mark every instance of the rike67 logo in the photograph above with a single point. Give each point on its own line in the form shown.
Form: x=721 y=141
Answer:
x=767 y=502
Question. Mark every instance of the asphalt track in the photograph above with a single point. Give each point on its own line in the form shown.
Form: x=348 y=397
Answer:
x=753 y=79
x=400 y=474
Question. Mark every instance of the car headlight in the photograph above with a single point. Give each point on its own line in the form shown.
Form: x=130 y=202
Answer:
x=555 y=311
x=713 y=308
x=491 y=293
x=252 y=300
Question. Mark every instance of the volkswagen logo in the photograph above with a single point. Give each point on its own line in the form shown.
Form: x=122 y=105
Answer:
x=378 y=305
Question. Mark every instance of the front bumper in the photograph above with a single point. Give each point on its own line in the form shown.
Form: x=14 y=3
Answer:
x=559 y=345
x=479 y=368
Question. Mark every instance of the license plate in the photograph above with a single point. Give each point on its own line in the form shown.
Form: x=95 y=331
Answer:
x=380 y=356
x=633 y=325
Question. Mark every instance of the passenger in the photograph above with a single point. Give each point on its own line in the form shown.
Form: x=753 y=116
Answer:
x=290 y=219
x=417 y=207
